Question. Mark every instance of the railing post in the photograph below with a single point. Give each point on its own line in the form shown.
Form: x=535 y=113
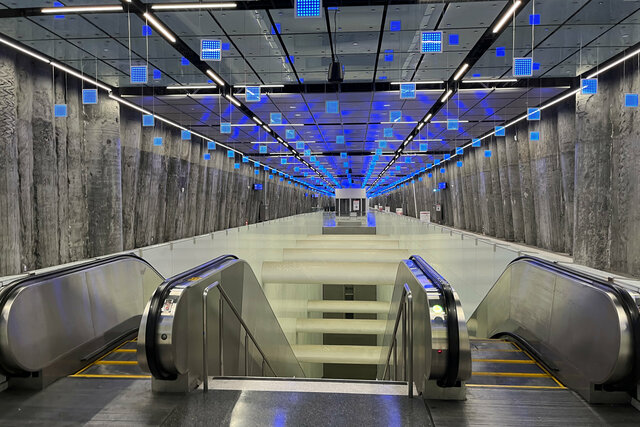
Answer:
x=404 y=337
x=395 y=359
x=410 y=341
x=221 y=337
x=205 y=367
x=246 y=354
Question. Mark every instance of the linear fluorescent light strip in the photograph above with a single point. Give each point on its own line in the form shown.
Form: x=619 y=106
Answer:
x=158 y=26
x=428 y=82
x=178 y=6
x=446 y=96
x=216 y=77
x=261 y=86
x=23 y=50
x=506 y=16
x=489 y=80
x=82 y=9
x=608 y=67
x=80 y=76
x=233 y=100
x=461 y=71
x=187 y=87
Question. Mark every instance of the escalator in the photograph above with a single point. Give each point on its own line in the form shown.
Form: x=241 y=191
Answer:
x=57 y=323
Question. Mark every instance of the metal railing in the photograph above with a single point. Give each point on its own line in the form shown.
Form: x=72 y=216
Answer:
x=248 y=335
x=405 y=313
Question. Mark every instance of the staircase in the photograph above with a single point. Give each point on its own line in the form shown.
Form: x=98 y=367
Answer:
x=294 y=286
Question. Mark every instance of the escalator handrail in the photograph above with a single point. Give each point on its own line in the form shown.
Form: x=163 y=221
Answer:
x=155 y=305
x=11 y=289
x=628 y=305
x=450 y=378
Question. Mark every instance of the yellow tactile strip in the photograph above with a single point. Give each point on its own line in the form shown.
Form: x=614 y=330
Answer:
x=110 y=368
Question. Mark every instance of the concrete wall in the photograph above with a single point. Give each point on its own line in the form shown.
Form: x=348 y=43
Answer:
x=93 y=183
x=577 y=190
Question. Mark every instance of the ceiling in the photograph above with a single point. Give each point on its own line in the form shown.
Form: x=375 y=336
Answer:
x=376 y=42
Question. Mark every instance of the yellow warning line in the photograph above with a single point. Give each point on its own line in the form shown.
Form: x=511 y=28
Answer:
x=537 y=387
x=125 y=350
x=511 y=374
x=518 y=361
x=505 y=350
x=116 y=362
x=540 y=366
x=110 y=376
x=118 y=348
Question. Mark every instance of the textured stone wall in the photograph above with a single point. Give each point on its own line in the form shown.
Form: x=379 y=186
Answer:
x=93 y=183
x=576 y=190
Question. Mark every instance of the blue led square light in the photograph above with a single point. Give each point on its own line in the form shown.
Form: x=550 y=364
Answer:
x=431 y=41
x=388 y=132
x=631 y=100
x=245 y=159
x=296 y=169
x=275 y=118
x=447 y=156
x=225 y=127
x=186 y=135
x=332 y=107
x=388 y=55
x=534 y=19
x=211 y=145
x=263 y=149
x=424 y=146
x=459 y=150
x=395 y=116
x=307 y=152
x=378 y=151
x=226 y=46
x=589 y=86
x=459 y=163
x=60 y=110
x=277 y=29
x=312 y=159
x=146 y=31
x=343 y=155
x=454 y=40
x=206 y=156
x=252 y=93
x=407 y=159
x=210 y=50
x=290 y=134
x=270 y=176
x=89 y=96
x=534 y=136
x=452 y=124
x=157 y=141
x=147 y=120
x=476 y=142
x=231 y=154
x=500 y=131
x=533 y=114
x=300 y=145
x=522 y=67
x=407 y=91
x=382 y=144
x=236 y=165
x=442 y=170
x=257 y=172
x=420 y=178
x=395 y=26
x=429 y=175
x=157 y=74
x=487 y=153
x=536 y=66
x=184 y=61
x=139 y=74
x=501 y=51
x=283 y=161
x=340 y=139
x=308 y=8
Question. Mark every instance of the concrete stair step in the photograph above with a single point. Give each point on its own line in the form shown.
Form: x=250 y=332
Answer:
x=330 y=273
x=326 y=237
x=348 y=354
x=348 y=244
x=341 y=326
x=345 y=254
x=327 y=306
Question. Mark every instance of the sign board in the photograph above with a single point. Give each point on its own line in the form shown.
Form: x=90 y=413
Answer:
x=425 y=216
x=356 y=205
x=399 y=211
x=438 y=207
x=387 y=209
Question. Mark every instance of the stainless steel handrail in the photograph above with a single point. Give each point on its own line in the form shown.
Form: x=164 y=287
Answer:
x=405 y=311
x=247 y=331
